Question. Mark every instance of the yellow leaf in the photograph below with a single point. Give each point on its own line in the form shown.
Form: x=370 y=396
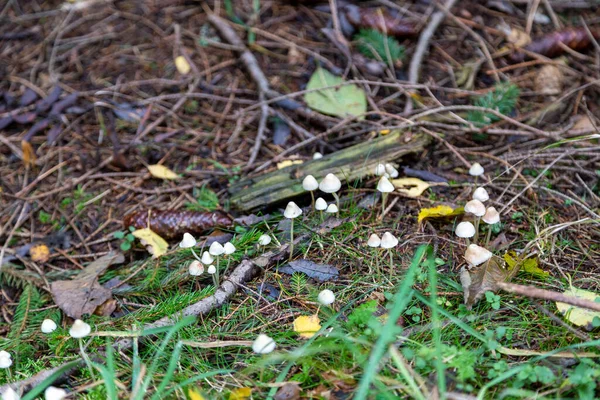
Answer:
x=580 y=316
x=162 y=172
x=155 y=245
x=307 y=326
x=243 y=393
x=412 y=187
x=182 y=65
x=529 y=265
x=29 y=156
x=194 y=394
x=288 y=163
x=441 y=211
x=39 y=253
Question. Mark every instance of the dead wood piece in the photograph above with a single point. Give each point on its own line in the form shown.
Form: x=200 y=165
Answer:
x=537 y=293
x=349 y=164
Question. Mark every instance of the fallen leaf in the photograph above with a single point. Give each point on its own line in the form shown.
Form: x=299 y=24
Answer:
x=529 y=265
x=289 y=391
x=411 y=187
x=518 y=37
x=321 y=272
x=182 y=65
x=155 y=245
x=580 y=316
x=39 y=252
x=162 y=172
x=481 y=279
x=288 y=163
x=583 y=123
x=29 y=156
x=342 y=101
x=243 y=393
x=107 y=308
x=307 y=326
x=440 y=211
x=549 y=80
x=194 y=394
x=84 y=294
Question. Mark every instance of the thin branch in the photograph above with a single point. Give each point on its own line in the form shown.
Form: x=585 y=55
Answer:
x=537 y=293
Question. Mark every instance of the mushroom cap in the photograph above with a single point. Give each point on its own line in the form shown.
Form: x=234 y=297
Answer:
x=476 y=255
x=388 y=241
x=320 y=204
x=374 y=240
x=54 y=393
x=263 y=344
x=5 y=361
x=317 y=155
x=229 y=248
x=392 y=172
x=326 y=297
x=292 y=210
x=207 y=259
x=79 y=329
x=332 y=208
x=330 y=184
x=465 y=230
x=476 y=169
x=48 y=326
x=216 y=249
x=211 y=269
x=264 y=239
x=384 y=185
x=196 y=268
x=475 y=207
x=187 y=241
x=4 y=353
x=481 y=194
x=491 y=216
x=310 y=183
x=380 y=170
x=10 y=394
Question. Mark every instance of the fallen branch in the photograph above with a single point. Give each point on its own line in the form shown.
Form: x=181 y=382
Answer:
x=537 y=293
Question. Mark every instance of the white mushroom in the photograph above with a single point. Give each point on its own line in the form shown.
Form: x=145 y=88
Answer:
x=264 y=239
x=292 y=210
x=481 y=194
x=326 y=297
x=207 y=259
x=229 y=248
x=216 y=249
x=391 y=171
x=491 y=216
x=374 y=240
x=188 y=241
x=465 y=230
x=54 y=393
x=476 y=169
x=332 y=209
x=79 y=329
x=476 y=255
x=48 y=326
x=263 y=344
x=475 y=207
x=320 y=204
x=196 y=268
x=388 y=241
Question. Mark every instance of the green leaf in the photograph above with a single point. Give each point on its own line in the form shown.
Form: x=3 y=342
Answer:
x=125 y=246
x=579 y=316
x=119 y=235
x=341 y=101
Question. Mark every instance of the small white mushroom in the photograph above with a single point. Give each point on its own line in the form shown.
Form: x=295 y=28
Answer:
x=380 y=170
x=465 y=230
x=374 y=240
x=79 y=329
x=391 y=171
x=216 y=249
x=263 y=344
x=207 y=259
x=475 y=207
x=211 y=269
x=196 y=268
x=317 y=155
x=388 y=241
x=326 y=297
x=384 y=185
x=264 y=239
x=491 y=216
x=320 y=204
x=188 y=241
x=48 y=326
x=330 y=184
x=476 y=255
x=332 y=209
x=229 y=248
x=54 y=393
x=10 y=394
x=292 y=210
x=5 y=359
x=476 y=169
x=481 y=194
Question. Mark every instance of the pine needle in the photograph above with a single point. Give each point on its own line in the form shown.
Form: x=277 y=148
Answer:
x=375 y=45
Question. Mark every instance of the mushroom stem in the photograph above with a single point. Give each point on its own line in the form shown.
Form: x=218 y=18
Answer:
x=86 y=358
x=383 y=199
x=216 y=274
x=391 y=259
x=312 y=197
x=488 y=236
x=337 y=202
x=292 y=241
x=476 y=229
x=195 y=255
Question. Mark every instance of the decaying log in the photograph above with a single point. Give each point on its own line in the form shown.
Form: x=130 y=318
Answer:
x=349 y=164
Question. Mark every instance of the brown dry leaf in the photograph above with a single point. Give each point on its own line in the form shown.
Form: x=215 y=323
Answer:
x=39 y=253
x=162 y=172
x=289 y=391
x=549 y=80
x=411 y=187
x=29 y=156
x=84 y=294
x=107 y=308
x=481 y=279
x=583 y=123
x=307 y=326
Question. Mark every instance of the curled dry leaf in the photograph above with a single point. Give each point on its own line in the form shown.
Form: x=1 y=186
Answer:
x=439 y=212
x=529 y=265
x=288 y=163
x=162 y=172
x=484 y=278
x=413 y=187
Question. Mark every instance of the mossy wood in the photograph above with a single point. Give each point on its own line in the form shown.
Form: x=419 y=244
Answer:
x=349 y=164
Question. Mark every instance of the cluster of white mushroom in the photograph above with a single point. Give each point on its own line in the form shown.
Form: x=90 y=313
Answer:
x=475 y=254
x=215 y=251
x=51 y=393
x=330 y=184
x=387 y=241
x=385 y=171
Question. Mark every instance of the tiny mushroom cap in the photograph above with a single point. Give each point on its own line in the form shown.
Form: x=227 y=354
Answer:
x=326 y=297
x=54 y=393
x=374 y=240
x=229 y=248
x=216 y=249
x=475 y=207
x=320 y=204
x=332 y=208
x=188 y=241
x=392 y=172
x=48 y=326
x=5 y=359
x=211 y=269
x=476 y=169
x=263 y=344
x=292 y=210
x=481 y=194
x=384 y=185
x=388 y=241
x=330 y=184
x=491 y=216
x=10 y=394
x=5 y=354
x=264 y=239
x=196 y=268
x=310 y=183
x=79 y=329
x=207 y=259
x=380 y=170
x=317 y=155
x=465 y=230
x=476 y=255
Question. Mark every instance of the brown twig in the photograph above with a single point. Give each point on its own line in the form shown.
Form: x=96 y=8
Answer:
x=537 y=293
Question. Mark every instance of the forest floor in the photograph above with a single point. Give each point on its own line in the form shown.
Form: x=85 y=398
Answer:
x=94 y=94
